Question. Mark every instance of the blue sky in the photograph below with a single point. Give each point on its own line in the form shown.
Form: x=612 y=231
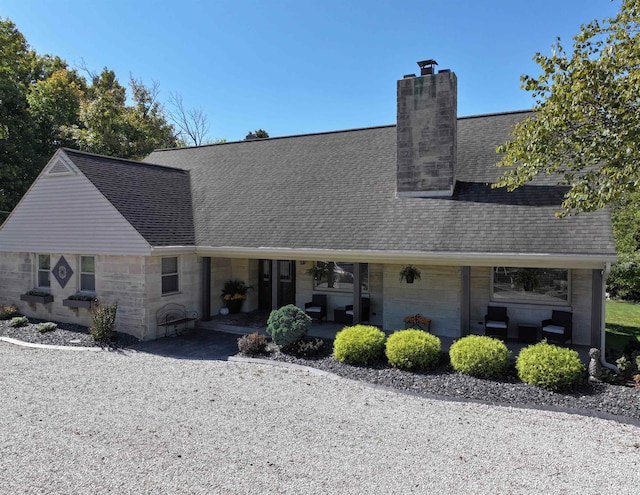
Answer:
x=296 y=67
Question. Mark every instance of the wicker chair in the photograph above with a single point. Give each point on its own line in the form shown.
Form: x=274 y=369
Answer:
x=364 y=314
x=317 y=308
x=559 y=328
x=496 y=322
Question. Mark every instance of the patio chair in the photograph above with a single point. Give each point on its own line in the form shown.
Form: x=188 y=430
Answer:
x=496 y=322
x=559 y=328
x=317 y=308
x=364 y=314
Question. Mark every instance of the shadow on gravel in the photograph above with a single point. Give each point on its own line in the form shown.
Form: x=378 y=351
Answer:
x=197 y=344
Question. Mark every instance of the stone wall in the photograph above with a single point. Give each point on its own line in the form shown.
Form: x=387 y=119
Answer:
x=189 y=294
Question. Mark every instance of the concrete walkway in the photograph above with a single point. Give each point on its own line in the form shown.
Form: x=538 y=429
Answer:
x=201 y=344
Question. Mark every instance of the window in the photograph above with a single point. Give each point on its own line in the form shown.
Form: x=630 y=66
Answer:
x=44 y=270
x=87 y=273
x=531 y=285
x=169 y=275
x=335 y=275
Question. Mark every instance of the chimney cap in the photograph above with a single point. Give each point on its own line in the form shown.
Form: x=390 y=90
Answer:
x=423 y=63
x=426 y=67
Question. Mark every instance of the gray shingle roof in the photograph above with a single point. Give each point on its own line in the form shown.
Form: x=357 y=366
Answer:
x=155 y=200
x=337 y=191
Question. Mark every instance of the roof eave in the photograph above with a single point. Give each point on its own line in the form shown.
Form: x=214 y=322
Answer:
x=551 y=260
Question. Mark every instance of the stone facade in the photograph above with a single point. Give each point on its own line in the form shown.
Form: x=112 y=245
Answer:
x=426 y=135
x=134 y=282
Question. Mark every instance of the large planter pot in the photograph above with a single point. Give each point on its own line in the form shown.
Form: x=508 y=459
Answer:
x=235 y=305
x=74 y=303
x=36 y=299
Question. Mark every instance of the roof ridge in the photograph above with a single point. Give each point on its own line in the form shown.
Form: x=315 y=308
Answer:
x=339 y=131
x=495 y=114
x=123 y=160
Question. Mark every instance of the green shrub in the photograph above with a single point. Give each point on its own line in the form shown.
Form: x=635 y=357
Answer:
x=80 y=297
x=19 y=321
x=412 y=349
x=549 y=366
x=288 y=324
x=49 y=326
x=305 y=347
x=8 y=312
x=39 y=293
x=481 y=356
x=104 y=319
x=359 y=344
x=624 y=278
x=252 y=344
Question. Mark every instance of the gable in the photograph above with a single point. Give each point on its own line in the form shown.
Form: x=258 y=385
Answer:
x=63 y=212
x=155 y=200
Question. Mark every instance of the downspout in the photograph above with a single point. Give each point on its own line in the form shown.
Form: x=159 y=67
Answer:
x=603 y=333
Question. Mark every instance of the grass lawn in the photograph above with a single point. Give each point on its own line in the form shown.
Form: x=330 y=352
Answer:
x=622 y=324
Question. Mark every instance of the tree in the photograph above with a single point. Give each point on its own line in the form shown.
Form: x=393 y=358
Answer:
x=45 y=105
x=107 y=126
x=586 y=126
x=19 y=160
x=259 y=134
x=192 y=123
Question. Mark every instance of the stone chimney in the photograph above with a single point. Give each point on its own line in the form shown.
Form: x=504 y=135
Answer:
x=427 y=133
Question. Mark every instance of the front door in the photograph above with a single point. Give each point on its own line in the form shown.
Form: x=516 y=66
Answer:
x=286 y=287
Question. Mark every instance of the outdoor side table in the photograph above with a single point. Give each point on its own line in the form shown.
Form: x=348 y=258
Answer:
x=528 y=333
x=340 y=316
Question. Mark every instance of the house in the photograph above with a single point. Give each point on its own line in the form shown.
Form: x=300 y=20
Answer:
x=357 y=205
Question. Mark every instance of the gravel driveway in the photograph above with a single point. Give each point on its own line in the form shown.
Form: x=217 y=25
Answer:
x=131 y=422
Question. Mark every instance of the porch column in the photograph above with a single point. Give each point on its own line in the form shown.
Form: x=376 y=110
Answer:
x=465 y=301
x=206 y=289
x=357 y=294
x=275 y=284
x=596 y=309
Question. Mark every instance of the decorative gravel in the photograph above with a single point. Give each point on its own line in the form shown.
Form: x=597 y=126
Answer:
x=135 y=422
x=66 y=334
x=591 y=399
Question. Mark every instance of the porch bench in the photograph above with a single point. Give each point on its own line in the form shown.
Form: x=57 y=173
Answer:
x=175 y=316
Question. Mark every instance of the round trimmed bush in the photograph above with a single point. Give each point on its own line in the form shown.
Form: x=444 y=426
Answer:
x=359 y=344
x=288 y=324
x=412 y=349
x=19 y=321
x=480 y=356
x=549 y=366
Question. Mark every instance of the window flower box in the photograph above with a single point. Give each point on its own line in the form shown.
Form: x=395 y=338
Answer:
x=71 y=302
x=36 y=297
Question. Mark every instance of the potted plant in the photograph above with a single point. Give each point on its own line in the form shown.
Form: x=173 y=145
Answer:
x=37 y=296
x=234 y=292
x=409 y=273
x=78 y=301
x=318 y=272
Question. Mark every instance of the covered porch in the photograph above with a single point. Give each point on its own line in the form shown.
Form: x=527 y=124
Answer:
x=256 y=321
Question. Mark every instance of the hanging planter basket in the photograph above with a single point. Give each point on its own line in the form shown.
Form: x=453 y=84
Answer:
x=409 y=273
